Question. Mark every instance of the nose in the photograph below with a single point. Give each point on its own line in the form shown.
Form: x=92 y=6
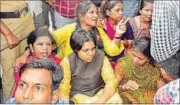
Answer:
x=95 y=15
x=150 y=13
x=90 y=52
x=45 y=47
x=120 y=12
x=28 y=94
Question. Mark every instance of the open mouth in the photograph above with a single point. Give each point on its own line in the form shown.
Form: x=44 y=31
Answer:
x=44 y=54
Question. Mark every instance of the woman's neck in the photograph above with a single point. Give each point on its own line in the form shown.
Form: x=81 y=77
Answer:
x=112 y=22
x=85 y=26
x=143 y=24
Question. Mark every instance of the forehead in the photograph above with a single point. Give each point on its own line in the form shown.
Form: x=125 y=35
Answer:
x=36 y=76
x=138 y=54
x=148 y=5
x=118 y=5
x=88 y=45
x=92 y=7
x=43 y=38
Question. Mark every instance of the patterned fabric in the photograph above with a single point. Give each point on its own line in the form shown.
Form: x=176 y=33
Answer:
x=147 y=78
x=168 y=94
x=138 y=32
x=66 y=8
x=165 y=32
x=13 y=101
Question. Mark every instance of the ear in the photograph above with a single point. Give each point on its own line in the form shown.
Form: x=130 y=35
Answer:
x=140 y=11
x=107 y=12
x=31 y=49
x=55 y=96
x=81 y=18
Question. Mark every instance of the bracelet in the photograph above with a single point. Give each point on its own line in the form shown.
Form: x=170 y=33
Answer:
x=118 y=37
x=120 y=89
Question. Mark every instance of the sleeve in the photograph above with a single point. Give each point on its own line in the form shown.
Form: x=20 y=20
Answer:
x=119 y=71
x=165 y=31
x=65 y=84
x=109 y=46
x=108 y=74
x=62 y=37
x=129 y=35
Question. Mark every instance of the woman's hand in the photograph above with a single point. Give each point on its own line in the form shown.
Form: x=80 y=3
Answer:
x=166 y=76
x=121 y=27
x=21 y=59
x=130 y=85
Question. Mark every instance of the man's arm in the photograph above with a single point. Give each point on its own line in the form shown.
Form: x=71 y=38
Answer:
x=11 y=39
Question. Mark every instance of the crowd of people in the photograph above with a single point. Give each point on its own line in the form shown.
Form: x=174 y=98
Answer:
x=90 y=51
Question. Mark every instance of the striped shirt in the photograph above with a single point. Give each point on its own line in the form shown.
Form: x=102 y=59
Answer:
x=165 y=34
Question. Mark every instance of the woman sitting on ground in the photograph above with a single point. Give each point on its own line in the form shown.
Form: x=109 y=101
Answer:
x=113 y=14
x=88 y=75
x=141 y=24
x=86 y=18
x=138 y=74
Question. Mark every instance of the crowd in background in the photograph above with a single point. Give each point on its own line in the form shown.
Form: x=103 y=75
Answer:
x=96 y=51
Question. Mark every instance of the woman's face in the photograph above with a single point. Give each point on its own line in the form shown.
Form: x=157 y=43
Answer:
x=90 y=18
x=139 y=59
x=146 y=12
x=42 y=47
x=116 y=13
x=87 y=52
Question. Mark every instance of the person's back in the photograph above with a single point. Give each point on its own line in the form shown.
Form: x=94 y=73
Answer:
x=165 y=35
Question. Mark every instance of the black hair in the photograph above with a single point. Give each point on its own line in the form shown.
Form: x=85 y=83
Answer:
x=42 y=31
x=45 y=64
x=143 y=3
x=79 y=37
x=97 y=3
x=108 y=5
x=143 y=45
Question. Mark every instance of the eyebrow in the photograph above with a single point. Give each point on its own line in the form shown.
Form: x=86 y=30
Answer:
x=37 y=84
x=89 y=48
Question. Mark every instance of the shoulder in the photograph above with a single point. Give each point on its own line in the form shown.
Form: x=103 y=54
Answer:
x=55 y=59
x=100 y=52
x=125 y=61
x=67 y=27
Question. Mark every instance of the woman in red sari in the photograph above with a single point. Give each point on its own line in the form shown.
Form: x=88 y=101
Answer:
x=40 y=45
